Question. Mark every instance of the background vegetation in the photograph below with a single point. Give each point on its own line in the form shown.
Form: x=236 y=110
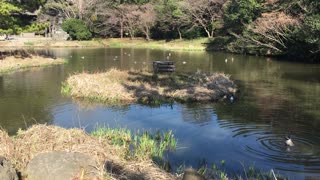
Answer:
x=263 y=27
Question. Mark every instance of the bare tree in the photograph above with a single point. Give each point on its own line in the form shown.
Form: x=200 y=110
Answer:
x=131 y=18
x=205 y=13
x=147 y=18
x=275 y=28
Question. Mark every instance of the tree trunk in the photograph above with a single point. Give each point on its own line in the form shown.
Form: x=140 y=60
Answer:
x=121 y=28
x=147 y=33
x=180 y=35
x=208 y=33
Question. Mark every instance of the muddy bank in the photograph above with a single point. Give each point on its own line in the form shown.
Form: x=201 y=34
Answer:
x=26 y=145
x=125 y=87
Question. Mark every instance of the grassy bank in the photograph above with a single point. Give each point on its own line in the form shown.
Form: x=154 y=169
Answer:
x=187 y=45
x=106 y=146
x=125 y=87
x=14 y=63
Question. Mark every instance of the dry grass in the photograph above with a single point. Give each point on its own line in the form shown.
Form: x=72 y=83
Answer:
x=117 y=86
x=42 y=138
x=13 y=63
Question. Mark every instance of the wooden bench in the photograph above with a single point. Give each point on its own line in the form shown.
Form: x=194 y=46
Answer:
x=164 y=66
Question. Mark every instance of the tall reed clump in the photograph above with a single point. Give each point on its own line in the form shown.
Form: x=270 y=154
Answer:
x=140 y=146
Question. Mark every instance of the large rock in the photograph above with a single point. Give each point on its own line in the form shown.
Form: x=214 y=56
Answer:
x=7 y=172
x=61 y=166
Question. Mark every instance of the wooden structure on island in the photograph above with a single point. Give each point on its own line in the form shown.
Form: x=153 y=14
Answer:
x=164 y=66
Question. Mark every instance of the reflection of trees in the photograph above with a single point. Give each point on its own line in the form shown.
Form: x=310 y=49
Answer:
x=196 y=114
x=1 y=84
x=27 y=96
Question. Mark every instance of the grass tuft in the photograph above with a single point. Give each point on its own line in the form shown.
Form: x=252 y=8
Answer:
x=140 y=146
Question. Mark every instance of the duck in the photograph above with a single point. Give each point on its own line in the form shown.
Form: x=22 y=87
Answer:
x=289 y=141
x=226 y=60
x=82 y=57
x=231 y=98
x=184 y=62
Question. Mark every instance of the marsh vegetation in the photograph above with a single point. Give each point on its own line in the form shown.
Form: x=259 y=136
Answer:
x=123 y=87
x=21 y=59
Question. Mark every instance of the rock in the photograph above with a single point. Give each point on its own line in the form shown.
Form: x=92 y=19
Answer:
x=191 y=174
x=61 y=165
x=7 y=172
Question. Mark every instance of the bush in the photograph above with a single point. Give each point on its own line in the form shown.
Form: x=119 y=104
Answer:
x=77 y=29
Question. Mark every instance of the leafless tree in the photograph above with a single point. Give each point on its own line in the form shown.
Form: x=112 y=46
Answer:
x=205 y=13
x=275 y=28
x=147 y=17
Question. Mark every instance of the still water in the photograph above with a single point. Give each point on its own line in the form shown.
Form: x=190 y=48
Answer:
x=276 y=99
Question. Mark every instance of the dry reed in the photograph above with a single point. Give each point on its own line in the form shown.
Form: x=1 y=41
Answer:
x=116 y=86
x=12 y=63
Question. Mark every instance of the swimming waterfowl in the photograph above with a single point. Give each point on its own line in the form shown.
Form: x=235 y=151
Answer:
x=289 y=141
x=231 y=98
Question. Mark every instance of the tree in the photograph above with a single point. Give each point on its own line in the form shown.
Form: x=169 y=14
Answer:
x=205 y=13
x=8 y=22
x=239 y=13
x=171 y=19
x=77 y=29
x=146 y=19
x=131 y=15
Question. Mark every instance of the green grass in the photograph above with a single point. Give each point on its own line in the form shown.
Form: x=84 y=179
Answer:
x=65 y=89
x=141 y=145
x=217 y=171
x=28 y=43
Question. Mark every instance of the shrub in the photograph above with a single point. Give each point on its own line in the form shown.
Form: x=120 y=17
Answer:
x=77 y=29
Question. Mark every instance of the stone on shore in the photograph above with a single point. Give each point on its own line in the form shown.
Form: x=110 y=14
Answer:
x=62 y=165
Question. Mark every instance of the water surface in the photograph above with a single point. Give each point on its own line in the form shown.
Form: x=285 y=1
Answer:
x=276 y=99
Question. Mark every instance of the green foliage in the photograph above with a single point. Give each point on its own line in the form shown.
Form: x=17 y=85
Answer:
x=77 y=29
x=38 y=28
x=305 y=43
x=241 y=12
x=65 y=89
x=8 y=22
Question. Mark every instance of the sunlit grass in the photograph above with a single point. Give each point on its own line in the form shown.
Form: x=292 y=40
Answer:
x=12 y=63
x=117 y=87
x=185 y=45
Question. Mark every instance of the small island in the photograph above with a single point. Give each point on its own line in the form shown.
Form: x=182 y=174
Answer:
x=125 y=87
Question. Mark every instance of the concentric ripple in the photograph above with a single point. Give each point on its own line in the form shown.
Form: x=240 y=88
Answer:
x=259 y=142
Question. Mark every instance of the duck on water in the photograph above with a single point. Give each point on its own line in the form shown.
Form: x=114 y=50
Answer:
x=289 y=141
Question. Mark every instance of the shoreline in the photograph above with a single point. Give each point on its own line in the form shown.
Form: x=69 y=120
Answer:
x=15 y=63
x=184 y=45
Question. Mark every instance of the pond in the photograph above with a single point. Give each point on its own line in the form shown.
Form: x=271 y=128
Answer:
x=276 y=99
